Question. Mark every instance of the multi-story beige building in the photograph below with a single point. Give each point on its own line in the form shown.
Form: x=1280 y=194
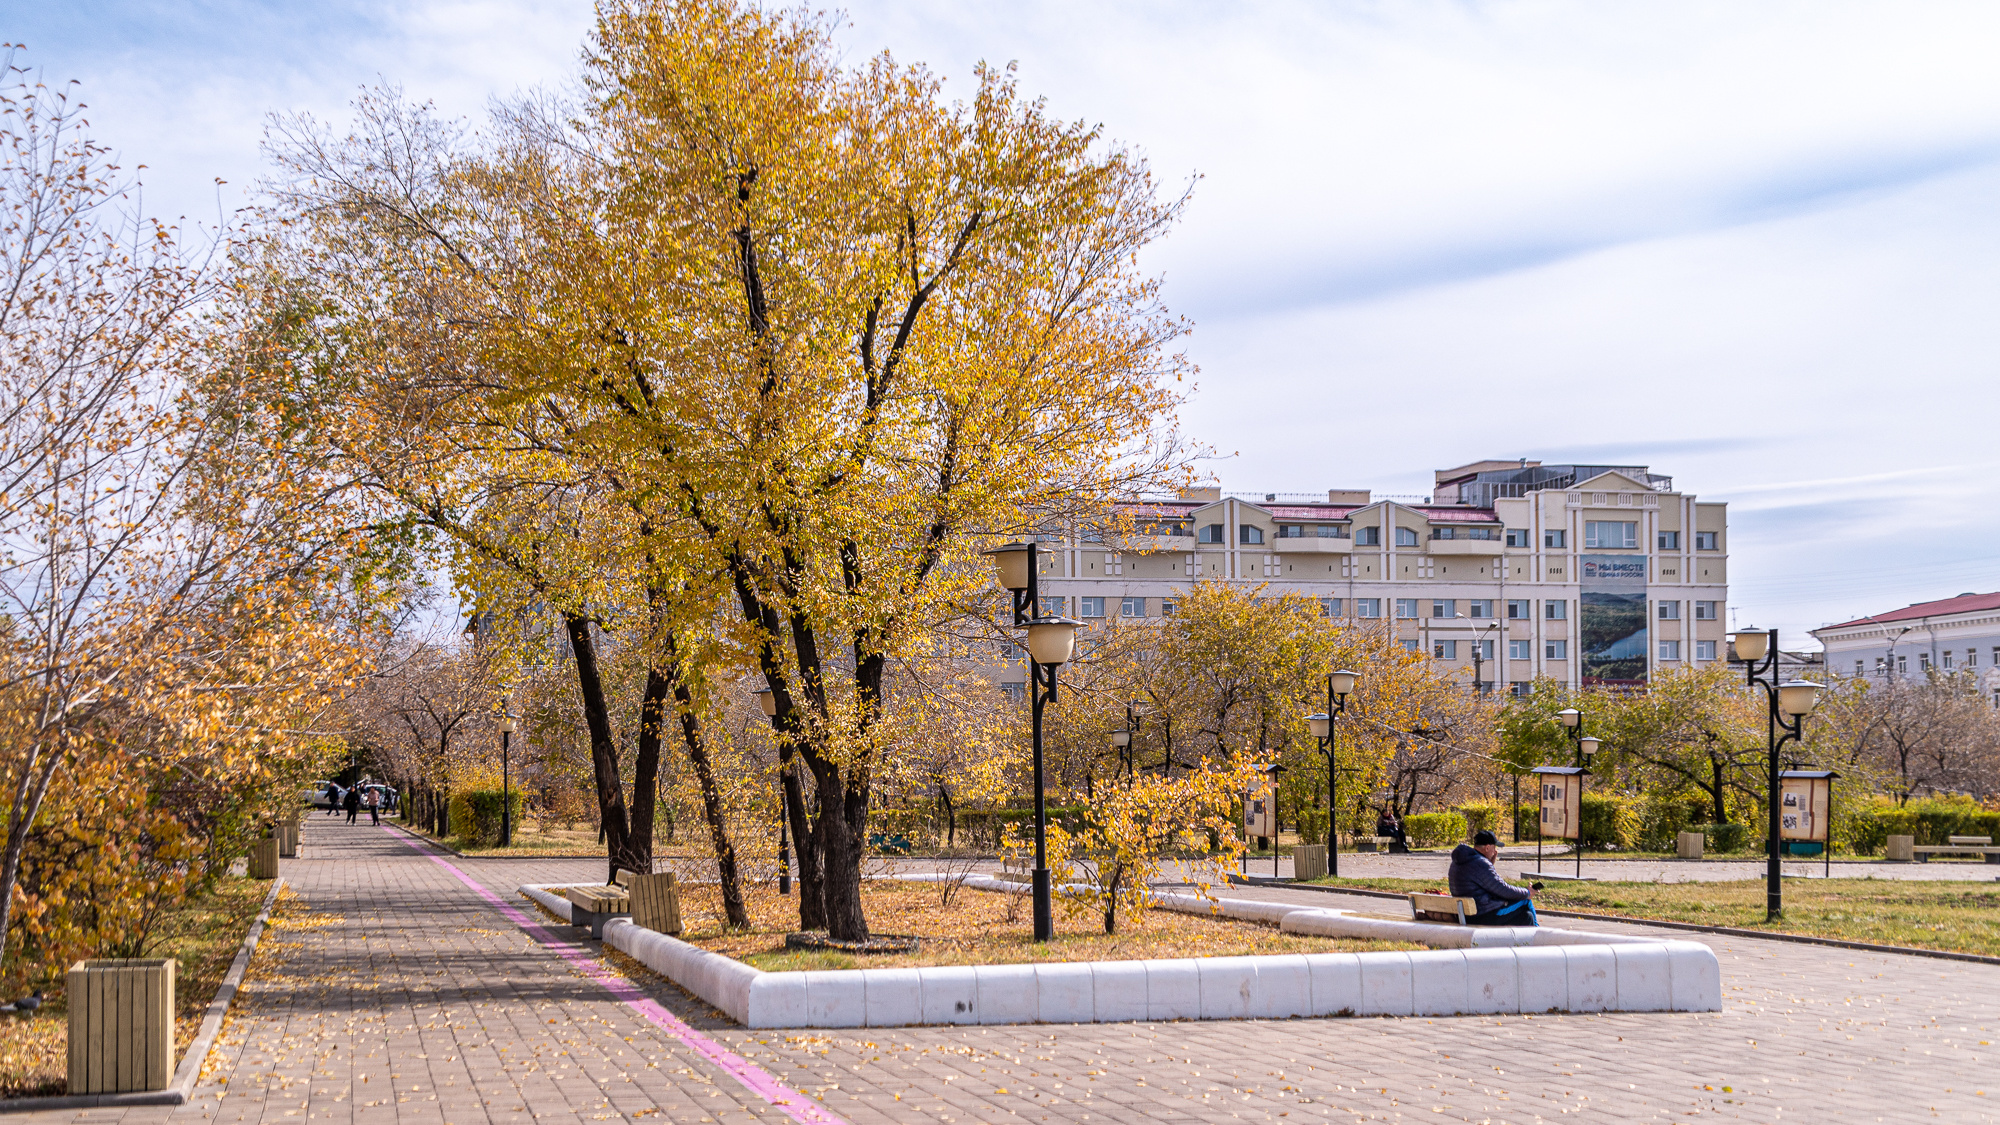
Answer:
x=1580 y=573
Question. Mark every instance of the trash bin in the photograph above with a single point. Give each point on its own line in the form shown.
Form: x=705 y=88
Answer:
x=264 y=858
x=1899 y=848
x=288 y=838
x=1687 y=845
x=1308 y=862
x=121 y=1025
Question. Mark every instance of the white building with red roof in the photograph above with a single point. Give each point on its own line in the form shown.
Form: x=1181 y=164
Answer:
x=1960 y=634
x=1513 y=569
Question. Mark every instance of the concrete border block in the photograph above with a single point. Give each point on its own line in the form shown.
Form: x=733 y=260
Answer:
x=837 y=998
x=1437 y=982
x=1502 y=937
x=1228 y=987
x=1173 y=989
x=1336 y=983
x=1006 y=993
x=1492 y=982
x=1385 y=985
x=1284 y=987
x=950 y=994
x=892 y=997
x=1645 y=978
x=1543 y=976
x=1118 y=991
x=1064 y=993
x=1696 y=977
x=1593 y=978
x=777 y=1000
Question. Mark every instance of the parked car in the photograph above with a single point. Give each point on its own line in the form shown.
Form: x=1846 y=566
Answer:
x=324 y=795
x=385 y=793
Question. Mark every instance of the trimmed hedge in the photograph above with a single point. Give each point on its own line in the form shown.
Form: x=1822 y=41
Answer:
x=1610 y=821
x=1932 y=822
x=1489 y=816
x=1432 y=829
x=475 y=815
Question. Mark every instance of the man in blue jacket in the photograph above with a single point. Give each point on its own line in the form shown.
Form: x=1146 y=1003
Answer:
x=1472 y=876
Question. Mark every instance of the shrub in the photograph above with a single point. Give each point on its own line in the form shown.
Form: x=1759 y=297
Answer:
x=1486 y=816
x=1663 y=816
x=475 y=815
x=1932 y=821
x=1723 y=837
x=1429 y=830
x=1610 y=821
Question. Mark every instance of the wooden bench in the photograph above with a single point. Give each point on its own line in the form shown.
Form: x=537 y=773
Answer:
x=1017 y=870
x=1373 y=843
x=592 y=906
x=1981 y=846
x=1442 y=908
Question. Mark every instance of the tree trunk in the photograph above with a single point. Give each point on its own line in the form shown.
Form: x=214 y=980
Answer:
x=805 y=840
x=29 y=792
x=843 y=824
x=603 y=752
x=658 y=684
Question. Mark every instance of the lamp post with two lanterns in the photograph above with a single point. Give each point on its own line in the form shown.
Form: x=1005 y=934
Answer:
x=1339 y=685
x=1786 y=708
x=506 y=805
x=1121 y=740
x=1051 y=643
x=1586 y=746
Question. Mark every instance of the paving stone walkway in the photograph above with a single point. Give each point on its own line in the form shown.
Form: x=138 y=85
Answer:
x=398 y=989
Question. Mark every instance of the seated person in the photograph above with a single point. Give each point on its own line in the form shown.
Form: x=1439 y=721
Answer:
x=1390 y=825
x=1472 y=876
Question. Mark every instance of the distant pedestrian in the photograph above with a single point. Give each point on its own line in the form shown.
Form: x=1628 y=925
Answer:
x=352 y=804
x=374 y=803
x=332 y=797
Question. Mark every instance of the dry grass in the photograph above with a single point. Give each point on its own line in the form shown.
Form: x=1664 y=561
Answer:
x=532 y=837
x=983 y=928
x=204 y=935
x=1926 y=914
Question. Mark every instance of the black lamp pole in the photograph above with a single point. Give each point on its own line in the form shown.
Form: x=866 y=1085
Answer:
x=784 y=846
x=506 y=806
x=1761 y=670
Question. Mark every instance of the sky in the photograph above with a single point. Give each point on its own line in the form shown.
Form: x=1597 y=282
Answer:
x=1752 y=246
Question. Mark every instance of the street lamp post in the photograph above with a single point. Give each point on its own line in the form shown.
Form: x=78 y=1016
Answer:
x=506 y=805
x=1339 y=685
x=1585 y=746
x=1786 y=706
x=1051 y=643
x=767 y=702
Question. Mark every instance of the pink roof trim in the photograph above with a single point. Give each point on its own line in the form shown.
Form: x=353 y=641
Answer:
x=1964 y=603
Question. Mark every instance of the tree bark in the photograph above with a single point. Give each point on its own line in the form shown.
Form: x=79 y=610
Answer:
x=603 y=752
x=711 y=799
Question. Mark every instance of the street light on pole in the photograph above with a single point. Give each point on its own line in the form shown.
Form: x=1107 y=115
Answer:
x=1786 y=708
x=506 y=805
x=1051 y=643
x=1339 y=685
x=767 y=702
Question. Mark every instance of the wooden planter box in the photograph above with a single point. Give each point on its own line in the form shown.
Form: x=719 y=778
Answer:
x=1308 y=862
x=264 y=858
x=121 y=1026
x=1687 y=845
x=288 y=838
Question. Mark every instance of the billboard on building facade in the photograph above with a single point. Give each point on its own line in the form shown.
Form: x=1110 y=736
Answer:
x=1613 y=630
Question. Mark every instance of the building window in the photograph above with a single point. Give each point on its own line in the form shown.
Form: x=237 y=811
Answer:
x=1670 y=611
x=1517 y=537
x=1132 y=607
x=1996 y=697
x=1611 y=535
x=1670 y=540
x=1947 y=660
x=1445 y=650
x=1923 y=662
x=1479 y=607
x=1368 y=607
x=1368 y=537
x=1248 y=533
x=1670 y=650
x=1881 y=665
x=1090 y=607
x=1015 y=693
x=1520 y=650
x=1704 y=611
x=1291 y=531
x=1444 y=533
x=1168 y=607
x=1212 y=533
x=1519 y=610
x=1554 y=539
x=1479 y=533
x=1520 y=688
x=1860 y=669
x=1704 y=650
x=1329 y=607
x=1554 y=611
x=1410 y=646
x=1055 y=605
x=1444 y=607
x=1406 y=537
x=1485 y=649
x=1406 y=607
x=1996 y=655
x=1330 y=531
x=1555 y=650
x=1704 y=540
x=1903 y=665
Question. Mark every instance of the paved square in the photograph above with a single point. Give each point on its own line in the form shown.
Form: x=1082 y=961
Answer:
x=392 y=992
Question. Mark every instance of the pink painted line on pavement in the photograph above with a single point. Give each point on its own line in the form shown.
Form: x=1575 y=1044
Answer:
x=754 y=1078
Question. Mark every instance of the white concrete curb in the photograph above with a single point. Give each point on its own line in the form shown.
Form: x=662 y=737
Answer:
x=1512 y=971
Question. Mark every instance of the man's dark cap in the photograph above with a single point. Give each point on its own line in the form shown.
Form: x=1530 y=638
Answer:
x=1484 y=838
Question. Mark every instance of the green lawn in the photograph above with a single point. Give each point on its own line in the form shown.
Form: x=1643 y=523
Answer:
x=1961 y=917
